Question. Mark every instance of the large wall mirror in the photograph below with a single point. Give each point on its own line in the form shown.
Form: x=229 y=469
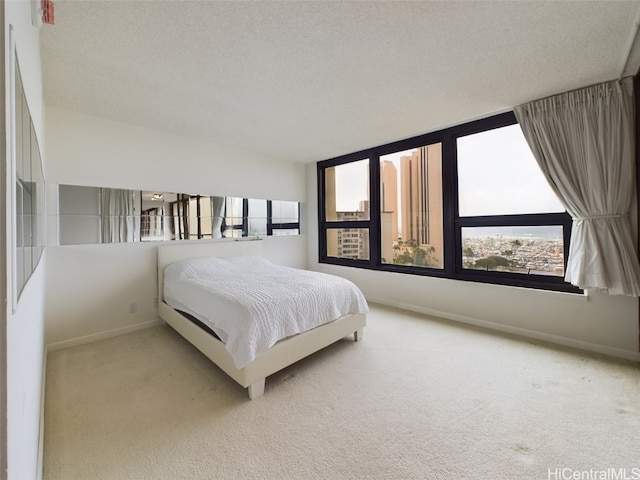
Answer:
x=29 y=189
x=112 y=215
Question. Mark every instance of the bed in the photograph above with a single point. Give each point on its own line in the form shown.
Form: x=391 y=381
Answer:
x=248 y=369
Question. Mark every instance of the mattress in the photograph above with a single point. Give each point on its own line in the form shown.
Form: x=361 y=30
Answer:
x=252 y=303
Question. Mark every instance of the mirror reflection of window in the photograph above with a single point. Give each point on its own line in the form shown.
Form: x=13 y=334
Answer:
x=200 y=217
x=285 y=218
x=180 y=216
x=193 y=207
x=233 y=224
x=257 y=217
x=161 y=216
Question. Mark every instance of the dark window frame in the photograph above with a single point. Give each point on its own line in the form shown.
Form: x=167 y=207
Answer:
x=452 y=222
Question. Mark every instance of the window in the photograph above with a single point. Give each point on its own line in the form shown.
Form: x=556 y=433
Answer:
x=347 y=210
x=498 y=175
x=467 y=203
x=532 y=249
x=411 y=207
x=347 y=191
x=510 y=220
x=348 y=243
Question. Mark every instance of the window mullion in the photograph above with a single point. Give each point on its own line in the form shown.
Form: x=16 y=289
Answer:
x=530 y=219
x=450 y=205
x=375 y=242
x=269 y=219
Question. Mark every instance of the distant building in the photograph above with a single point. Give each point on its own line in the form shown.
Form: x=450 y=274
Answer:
x=415 y=214
x=389 y=194
x=388 y=208
x=421 y=198
x=350 y=242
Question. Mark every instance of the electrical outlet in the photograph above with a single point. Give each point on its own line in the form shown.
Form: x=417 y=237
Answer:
x=133 y=307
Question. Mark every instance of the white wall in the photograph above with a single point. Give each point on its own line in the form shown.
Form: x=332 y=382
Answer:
x=90 y=287
x=25 y=325
x=598 y=322
x=25 y=342
x=86 y=150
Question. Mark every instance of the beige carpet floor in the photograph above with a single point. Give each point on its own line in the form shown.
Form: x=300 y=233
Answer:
x=419 y=398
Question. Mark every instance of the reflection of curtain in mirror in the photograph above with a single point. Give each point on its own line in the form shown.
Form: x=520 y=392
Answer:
x=116 y=216
x=152 y=224
x=156 y=221
x=217 y=212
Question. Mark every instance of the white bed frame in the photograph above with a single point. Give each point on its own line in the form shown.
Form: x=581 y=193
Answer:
x=281 y=355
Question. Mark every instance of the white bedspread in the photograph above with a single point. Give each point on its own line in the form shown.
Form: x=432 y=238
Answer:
x=252 y=303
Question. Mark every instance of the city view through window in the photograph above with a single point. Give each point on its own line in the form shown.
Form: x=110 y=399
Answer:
x=411 y=207
x=528 y=250
x=347 y=199
x=497 y=176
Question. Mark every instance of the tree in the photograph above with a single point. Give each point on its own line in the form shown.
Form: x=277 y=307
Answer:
x=492 y=262
x=410 y=253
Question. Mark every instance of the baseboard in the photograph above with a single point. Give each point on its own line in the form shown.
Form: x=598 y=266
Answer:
x=522 y=332
x=74 y=342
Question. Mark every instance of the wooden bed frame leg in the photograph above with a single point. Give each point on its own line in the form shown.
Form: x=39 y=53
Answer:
x=357 y=335
x=256 y=390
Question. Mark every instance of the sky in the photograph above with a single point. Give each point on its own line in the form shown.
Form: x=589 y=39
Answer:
x=351 y=185
x=497 y=175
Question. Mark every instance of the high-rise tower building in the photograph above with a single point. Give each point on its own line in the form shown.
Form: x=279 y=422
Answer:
x=388 y=208
x=421 y=198
x=389 y=194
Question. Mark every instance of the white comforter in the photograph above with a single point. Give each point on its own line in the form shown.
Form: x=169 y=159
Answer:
x=252 y=303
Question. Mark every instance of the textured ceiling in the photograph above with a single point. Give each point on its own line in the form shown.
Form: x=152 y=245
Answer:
x=306 y=80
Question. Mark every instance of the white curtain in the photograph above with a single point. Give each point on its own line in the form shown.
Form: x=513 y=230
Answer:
x=116 y=215
x=217 y=213
x=584 y=142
